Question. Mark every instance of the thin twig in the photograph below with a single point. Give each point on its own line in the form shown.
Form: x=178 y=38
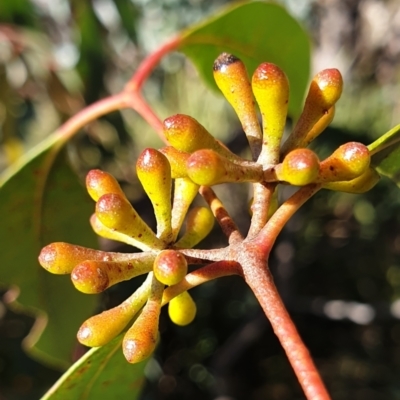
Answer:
x=258 y=277
x=222 y=216
x=262 y=195
x=267 y=236
x=200 y=276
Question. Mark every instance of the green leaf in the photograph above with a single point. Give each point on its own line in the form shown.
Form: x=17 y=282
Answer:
x=255 y=32
x=102 y=373
x=41 y=201
x=129 y=14
x=385 y=153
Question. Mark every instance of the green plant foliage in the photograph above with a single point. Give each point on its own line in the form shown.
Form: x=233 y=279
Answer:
x=42 y=201
x=128 y=13
x=386 y=154
x=102 y=373
x=255 y=32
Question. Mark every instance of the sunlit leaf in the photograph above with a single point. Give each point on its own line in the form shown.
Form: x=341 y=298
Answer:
x=255 y=32
x=102 y=373
x=386 y=154
x=41 y=201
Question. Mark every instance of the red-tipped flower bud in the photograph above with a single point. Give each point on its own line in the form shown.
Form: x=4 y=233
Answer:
x=140 y=340
x=61 y=258
x=325 y=90
x=170 y=267
x=116 y=213
x=100 y=182
x=300 y=167
x=186 y=134
x=347 y=162
x=96 y=276
x=271 y=90
x=206 y=167
x=177 y=160
x=231 y=77
x=154 y=172
x=102 y=328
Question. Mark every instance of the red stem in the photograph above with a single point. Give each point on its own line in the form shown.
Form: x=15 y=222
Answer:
x=202 y=275
x=148 y=64
x=267 y=236
x=259 y=278
x=90 y=113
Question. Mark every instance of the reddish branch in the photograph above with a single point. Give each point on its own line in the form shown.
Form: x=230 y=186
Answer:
x=248 y=257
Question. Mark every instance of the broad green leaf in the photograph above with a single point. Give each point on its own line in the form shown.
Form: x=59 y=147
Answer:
x=255 y=32
x=41 y=201
x=386 y=154
x=102 y=373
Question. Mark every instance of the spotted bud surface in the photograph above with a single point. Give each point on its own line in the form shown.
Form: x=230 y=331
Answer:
x=102 y=328
x=186 y=134
x=182 y=309
x=154 y=173
x=140 y=340
x=99 y=182
x=231 y=77
x=100 y=229
x=61 y=258
x=346 y=163
x=177 y=160
x=361 y=184
x=116 y=213
x=206 y=167
x=300 y=167
x=170 y=267
x=96 y=276
x=325 y=90
x=199 y=224
x=271 y=90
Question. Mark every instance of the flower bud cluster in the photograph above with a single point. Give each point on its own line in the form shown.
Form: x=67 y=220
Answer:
x=93 y=271
x=172 y=177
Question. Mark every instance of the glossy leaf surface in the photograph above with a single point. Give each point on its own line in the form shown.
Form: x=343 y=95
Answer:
x=386 y=154
x=41 y=201
x=255 y=32
x=102 y=373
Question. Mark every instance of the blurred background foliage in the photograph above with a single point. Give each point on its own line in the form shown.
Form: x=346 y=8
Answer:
x=337 y=264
